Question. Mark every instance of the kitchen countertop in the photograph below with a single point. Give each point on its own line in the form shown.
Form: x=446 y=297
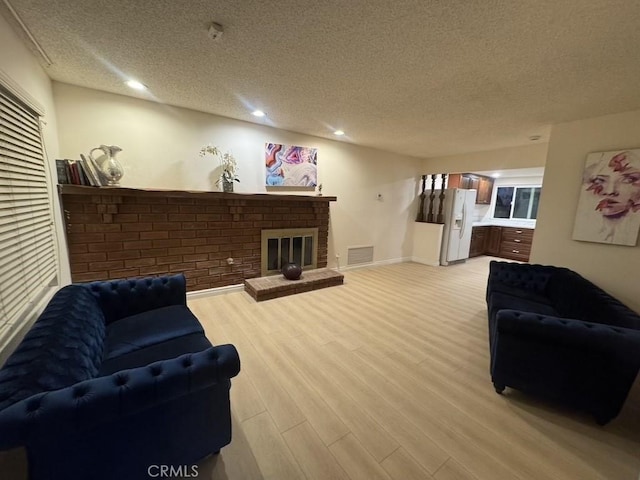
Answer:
x=506 y=223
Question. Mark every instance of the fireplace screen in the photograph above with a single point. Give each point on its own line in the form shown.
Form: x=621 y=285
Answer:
x=296 y=245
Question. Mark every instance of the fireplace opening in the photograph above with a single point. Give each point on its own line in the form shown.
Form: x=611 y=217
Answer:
x=289 y=245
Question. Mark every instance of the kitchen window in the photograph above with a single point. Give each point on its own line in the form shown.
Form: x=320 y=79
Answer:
x=517 y=202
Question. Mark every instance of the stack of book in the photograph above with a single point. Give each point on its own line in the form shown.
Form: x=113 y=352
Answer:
x=79 y=172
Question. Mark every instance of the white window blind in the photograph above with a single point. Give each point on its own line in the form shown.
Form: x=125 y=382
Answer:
x=28 y=261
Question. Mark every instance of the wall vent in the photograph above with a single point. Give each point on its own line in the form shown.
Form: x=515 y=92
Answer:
x=359 y=255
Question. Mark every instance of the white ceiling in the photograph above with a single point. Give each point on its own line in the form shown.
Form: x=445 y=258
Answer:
x=418 y=77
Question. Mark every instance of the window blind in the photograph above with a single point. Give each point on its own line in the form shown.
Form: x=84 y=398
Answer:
x=28 y=263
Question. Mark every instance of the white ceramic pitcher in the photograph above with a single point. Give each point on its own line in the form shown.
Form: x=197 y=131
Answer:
x=110 y=168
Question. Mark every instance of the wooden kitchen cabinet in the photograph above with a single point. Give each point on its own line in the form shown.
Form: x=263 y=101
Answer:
x=479 y=237
x=516 y=243
x=504 y=242
x=454 y=180
x=493 y=241
x=469 y=181
x=485 y=190
x=460 y=180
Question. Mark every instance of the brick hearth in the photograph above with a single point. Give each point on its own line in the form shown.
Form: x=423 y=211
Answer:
x=122 y=233
x=276 y=286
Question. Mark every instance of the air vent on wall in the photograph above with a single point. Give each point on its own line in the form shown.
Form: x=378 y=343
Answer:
x=359 y=255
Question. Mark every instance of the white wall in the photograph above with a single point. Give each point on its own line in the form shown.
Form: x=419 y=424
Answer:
x=160 y=150
x=427 y=242
x=614 y=268
x=533 y=155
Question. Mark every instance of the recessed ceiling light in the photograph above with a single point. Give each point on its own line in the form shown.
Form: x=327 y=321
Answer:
x=495 y=175
x=338 y=133
x=258 y=113
x=136 y=85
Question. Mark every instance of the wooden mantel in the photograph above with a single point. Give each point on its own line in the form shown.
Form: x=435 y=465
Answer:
x=115 y=232
x=84 y=190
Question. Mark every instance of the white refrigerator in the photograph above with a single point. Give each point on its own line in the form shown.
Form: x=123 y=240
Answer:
x=458 y=222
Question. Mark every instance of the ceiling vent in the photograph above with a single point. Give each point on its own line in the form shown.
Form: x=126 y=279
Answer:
x=360 y=255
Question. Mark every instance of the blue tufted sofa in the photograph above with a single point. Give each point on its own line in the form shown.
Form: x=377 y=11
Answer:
x=554 y=334
x=115 y=377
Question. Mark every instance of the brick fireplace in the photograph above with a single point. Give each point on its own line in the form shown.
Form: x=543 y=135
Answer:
x=121 y=232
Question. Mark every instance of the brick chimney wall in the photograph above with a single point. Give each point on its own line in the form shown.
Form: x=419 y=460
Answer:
x=124 y=233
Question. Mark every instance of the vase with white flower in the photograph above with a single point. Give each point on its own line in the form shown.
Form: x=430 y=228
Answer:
x=228 y=165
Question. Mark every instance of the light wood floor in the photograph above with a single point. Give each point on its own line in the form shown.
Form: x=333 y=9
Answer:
x=387 y=377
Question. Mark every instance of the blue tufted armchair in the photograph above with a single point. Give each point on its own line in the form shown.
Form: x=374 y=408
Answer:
x=114 y=378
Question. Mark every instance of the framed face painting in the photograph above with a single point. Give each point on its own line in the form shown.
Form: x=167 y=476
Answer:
x=609 y=205
x=290 y=166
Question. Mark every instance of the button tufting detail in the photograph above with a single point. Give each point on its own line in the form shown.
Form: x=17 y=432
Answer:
x=79 y=392
x=33 y=405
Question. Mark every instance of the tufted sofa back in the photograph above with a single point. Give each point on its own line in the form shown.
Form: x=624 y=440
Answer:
x=573 y=296
x=533 y=278
x=65 y=346
x=122 y=298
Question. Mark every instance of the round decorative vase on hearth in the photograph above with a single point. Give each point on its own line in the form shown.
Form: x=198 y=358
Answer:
x=291 y=271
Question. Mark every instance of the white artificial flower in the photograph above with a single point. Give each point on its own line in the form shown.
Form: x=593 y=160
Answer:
x=227 y=162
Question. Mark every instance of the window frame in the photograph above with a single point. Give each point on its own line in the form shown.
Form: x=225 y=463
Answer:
x=11 y=325
x=513 y=202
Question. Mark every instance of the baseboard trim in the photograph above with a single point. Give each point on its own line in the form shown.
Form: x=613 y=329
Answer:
x=379 y=263
x=240 y=287
x=210 y=292
x=422 y=262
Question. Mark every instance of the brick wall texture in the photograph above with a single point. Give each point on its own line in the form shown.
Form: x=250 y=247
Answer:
x=115 y=236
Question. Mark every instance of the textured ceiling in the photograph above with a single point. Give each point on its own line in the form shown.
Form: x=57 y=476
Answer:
x=423 y=78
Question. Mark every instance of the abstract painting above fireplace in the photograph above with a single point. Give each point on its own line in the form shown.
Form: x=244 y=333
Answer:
x=291 y=166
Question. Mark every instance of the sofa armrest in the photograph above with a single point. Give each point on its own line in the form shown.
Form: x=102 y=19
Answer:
x=586 y=365
x=91 y=403
x=622 y=342
x=123 y=298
